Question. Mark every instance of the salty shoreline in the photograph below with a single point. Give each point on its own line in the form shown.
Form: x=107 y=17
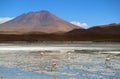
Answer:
x=113 y=47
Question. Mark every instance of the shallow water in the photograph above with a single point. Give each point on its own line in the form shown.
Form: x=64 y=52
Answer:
x=73 y=61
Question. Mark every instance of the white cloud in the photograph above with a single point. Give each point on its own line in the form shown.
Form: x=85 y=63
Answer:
x=79 y=24
x=5 y=19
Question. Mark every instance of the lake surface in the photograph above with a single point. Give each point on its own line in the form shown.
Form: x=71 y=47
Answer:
x=76 y=60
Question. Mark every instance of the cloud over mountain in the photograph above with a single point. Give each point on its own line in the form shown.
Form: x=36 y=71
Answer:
x=79 y=24
x=5 y=19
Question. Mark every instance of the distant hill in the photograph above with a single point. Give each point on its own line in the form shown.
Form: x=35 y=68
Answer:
x=36 y=22
x=105 y=29
x=44 y=26
x=109 y=32
x=101 y=29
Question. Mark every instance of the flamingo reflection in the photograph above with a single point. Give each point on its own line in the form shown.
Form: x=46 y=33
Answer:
x=53 y=76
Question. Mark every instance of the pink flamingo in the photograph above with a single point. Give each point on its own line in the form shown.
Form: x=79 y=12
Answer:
x=53 y=66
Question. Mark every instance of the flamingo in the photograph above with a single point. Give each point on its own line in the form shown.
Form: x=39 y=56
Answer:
x=107 y=62
x=42 y=53
x=68 y=55
x=53 y=66
x=108 y=59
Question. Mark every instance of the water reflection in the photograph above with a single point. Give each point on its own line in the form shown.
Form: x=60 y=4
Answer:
x=53 y=76
x=68 y=65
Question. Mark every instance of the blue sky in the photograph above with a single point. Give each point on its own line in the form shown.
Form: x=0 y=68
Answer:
x=91 y=12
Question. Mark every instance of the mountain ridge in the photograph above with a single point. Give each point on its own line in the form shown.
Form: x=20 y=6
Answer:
x=44 y=26
x=41 y=21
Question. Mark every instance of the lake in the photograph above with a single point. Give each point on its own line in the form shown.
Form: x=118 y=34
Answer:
x=60 y=60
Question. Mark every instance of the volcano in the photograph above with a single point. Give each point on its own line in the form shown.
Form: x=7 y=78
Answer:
x=45 y=26
x=36 y=22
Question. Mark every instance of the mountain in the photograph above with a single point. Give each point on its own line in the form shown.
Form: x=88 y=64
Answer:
x=101 y=29
x=109 y=32
x=36 y=22
x=44 y=26
x=105 y=29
